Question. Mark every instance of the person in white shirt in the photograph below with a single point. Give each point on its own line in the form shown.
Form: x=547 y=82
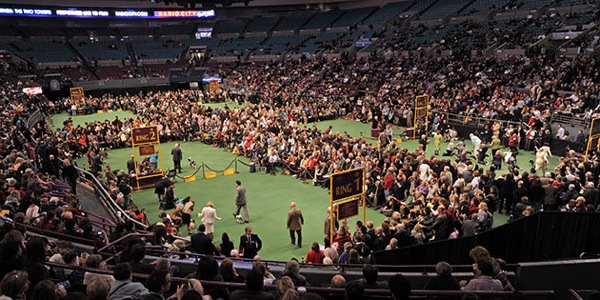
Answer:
x=209 y=215
x=561 y=132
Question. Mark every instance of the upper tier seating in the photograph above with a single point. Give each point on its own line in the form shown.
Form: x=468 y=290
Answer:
x=353 y=17
x=261 y=24
x=44 y=51
x=444 y=9
x=322 y=19
x=387 y=13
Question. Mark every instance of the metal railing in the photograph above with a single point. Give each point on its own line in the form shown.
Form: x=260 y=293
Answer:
x=112 y=207
x=51 y=234
x=458 y=119
x=116 y=211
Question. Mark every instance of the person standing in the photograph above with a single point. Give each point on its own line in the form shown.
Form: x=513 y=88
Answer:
x=177 y=156
x=240 y=200
x=70 y=174
x=295 y=220
x=131 y=165
x=423 y=142
x=250 y=244
x=209 y=215
x=437 y=142
x=202 y=243
x=329 y=232
x=186 y=216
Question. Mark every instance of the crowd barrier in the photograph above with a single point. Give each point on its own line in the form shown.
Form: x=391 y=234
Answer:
x=541 y=237
x=476 y=124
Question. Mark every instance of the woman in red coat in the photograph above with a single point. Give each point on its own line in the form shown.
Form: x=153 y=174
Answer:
x=315 y=255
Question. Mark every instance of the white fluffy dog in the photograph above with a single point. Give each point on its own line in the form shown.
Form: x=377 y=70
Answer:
x=239 y=219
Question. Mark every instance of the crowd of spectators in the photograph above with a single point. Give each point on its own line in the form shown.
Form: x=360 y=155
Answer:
x=440 y=194
x=424 y=198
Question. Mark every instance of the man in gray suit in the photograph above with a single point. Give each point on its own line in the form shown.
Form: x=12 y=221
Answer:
x=240 y=200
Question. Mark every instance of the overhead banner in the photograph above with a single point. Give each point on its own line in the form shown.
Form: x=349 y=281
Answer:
x=75 y=12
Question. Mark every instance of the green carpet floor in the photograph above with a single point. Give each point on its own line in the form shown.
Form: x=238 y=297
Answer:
x=268 y=196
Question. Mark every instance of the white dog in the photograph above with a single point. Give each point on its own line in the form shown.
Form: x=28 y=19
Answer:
x=239 y=219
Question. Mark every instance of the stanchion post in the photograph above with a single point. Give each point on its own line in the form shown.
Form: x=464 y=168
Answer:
x=203 y=171
x=236 y=169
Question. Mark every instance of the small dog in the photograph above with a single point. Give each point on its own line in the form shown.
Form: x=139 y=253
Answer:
x=239 y=219
x=192 y=163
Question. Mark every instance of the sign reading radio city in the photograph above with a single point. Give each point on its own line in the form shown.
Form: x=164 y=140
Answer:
x=347 y=184
x=184 y=13
x=143 y=135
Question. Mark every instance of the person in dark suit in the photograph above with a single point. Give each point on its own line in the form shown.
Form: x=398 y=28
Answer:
x=379 y=242
x=254 y=285
x=250 y=244
x=295 y=220
x=70 y=174
x=160 y=188
x=177 y=156
x=202 y=243
x=131 y=165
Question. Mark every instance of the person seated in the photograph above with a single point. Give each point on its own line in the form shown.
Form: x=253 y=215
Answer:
x=444 y=279
x=254 y=285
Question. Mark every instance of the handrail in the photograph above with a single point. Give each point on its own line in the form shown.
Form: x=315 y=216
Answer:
x=119 y=240
x=549 y=294
x=50 y=233
x=99 y=224
x=102 y=220
x=103 y=193
x=459 y=119
x=342 y=267
x=574 y=295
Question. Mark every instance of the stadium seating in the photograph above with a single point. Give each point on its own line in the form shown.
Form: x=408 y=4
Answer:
x=156 y=49
x=109 y=49
x=532 y=5
x=483 y=7
x=279 y=44
x=353 y=17
x=388 y=12
x=43 y=51
x=186 y=29
x=293 y=22
x=262 y=24
x=322 y=19
x=443 y=9
x=231 y=26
